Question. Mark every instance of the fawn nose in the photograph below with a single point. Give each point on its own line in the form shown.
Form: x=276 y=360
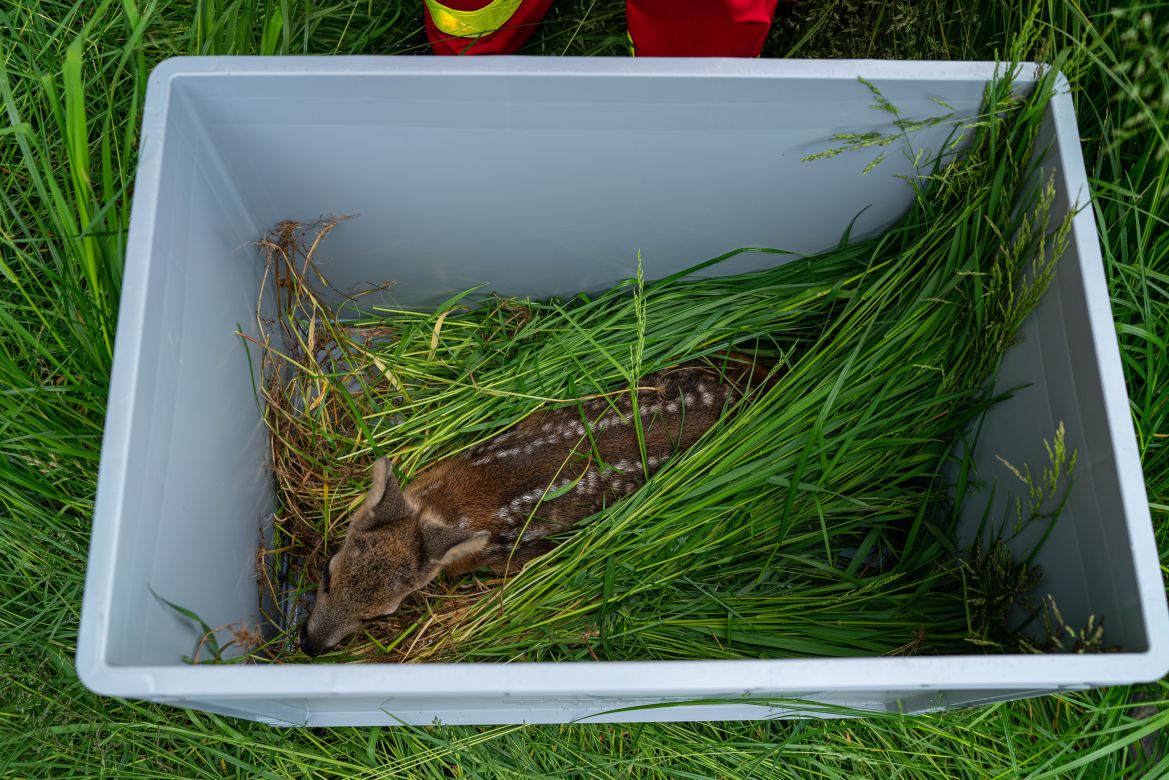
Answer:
x=306 y=644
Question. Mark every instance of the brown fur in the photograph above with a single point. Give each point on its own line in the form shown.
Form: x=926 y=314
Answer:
x=485 y=509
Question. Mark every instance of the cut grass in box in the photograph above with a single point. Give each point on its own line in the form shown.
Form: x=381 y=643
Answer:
x=817 y=521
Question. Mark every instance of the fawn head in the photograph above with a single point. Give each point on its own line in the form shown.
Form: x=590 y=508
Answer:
x=392 y=548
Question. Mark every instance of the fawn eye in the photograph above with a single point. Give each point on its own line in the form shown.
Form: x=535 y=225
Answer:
x=325 y=576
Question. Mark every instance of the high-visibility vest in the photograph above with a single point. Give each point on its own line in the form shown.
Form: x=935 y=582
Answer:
x=481 y=26
x=657 y=28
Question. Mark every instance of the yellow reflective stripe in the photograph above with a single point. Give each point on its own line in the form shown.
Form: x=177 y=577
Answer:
x=472 y=24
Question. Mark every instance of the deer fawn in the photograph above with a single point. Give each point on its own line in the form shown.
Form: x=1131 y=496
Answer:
x=492 y=506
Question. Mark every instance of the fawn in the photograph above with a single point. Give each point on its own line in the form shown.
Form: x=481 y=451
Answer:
x=493 y=506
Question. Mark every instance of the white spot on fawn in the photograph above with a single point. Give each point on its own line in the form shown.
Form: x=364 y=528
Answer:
x=430 y=487
x=530 y=534
x=589 y=483
x=609 y=422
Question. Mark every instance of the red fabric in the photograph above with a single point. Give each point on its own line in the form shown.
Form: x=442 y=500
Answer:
x=507 y=39
x=699 y=28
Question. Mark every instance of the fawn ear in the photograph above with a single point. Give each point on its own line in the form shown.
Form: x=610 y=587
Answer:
x=384 y=503
x=443 y=545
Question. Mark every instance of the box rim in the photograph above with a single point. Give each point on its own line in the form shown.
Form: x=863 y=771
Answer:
x=629 y=679
x=93 y=629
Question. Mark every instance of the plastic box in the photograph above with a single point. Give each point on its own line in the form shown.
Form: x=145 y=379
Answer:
x=539 y=176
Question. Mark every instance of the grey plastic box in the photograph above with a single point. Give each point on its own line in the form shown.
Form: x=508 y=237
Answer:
x=544 y=176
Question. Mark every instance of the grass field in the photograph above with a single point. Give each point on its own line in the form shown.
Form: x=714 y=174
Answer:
x=72 y=77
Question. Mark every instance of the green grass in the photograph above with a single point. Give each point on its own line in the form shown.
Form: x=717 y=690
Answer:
x=72 y=77
x=753 y=560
